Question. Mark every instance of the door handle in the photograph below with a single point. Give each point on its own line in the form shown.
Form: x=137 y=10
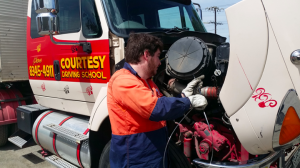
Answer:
x=56 y=70
x=295 y=57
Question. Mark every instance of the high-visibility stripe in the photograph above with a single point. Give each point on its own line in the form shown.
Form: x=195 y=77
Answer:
x=78 y=155
x=54 y=146
x=86 y=131
x=63 y=121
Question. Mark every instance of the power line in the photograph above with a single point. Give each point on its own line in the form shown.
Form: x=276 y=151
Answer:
x=212 y=22
x=226 y=5
x=215 y=9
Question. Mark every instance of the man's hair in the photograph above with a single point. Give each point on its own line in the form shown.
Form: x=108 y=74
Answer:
x=138 y=43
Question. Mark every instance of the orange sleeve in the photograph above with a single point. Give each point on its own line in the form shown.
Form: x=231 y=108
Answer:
x=133 y=95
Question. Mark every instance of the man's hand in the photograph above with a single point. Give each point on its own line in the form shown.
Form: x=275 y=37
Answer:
x=188 y=91
x=198 y=101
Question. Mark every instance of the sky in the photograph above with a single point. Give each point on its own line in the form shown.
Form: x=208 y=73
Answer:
x=208 y=16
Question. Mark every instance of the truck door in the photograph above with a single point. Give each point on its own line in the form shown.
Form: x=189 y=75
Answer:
x=68 y=76
x=284 y=20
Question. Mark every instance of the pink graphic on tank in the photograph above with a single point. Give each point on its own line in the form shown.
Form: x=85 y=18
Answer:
x=264 y=99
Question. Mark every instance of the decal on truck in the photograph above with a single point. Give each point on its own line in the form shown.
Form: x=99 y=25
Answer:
x=75 y=65
x=43 y=87
x=93 y=66
x=264 y=99
x=66 y=89
x=38 y=48
x=74 y=49
x=37 y=61
x=89 y=90
x=38 y=71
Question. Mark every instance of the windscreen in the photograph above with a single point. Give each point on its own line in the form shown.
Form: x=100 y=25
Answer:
x=126 y=16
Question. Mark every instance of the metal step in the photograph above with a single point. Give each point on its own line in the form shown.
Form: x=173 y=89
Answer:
x=20 y=142
x=59 y=162
x=21 y=139
x=69 y=134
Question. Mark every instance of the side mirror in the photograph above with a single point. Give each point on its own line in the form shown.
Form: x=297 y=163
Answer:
x=47 y=20
x=198 y=10
x=45 y=6
x=47 y=23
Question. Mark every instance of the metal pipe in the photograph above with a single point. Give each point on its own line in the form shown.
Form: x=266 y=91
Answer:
x=17 y=99
x=266 y=161
x=187 y=143
x=230 y=151
x=175 y=87
x=210 y=92
x=62 y=43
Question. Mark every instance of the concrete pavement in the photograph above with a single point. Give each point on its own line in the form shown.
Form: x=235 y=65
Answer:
x=12 y=156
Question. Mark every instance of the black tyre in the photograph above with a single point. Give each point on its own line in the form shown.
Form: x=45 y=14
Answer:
x=176 y=157
x=104 y=159
x=3 y=134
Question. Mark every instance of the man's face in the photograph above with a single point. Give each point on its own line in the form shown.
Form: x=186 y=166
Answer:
x=154 y=63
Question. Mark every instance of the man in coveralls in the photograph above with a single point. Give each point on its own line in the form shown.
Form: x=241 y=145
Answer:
x=138 y=110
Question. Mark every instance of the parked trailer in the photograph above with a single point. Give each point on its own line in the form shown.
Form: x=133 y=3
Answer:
x=13 y=65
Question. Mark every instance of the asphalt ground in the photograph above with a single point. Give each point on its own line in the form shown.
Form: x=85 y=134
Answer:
x=12 y=156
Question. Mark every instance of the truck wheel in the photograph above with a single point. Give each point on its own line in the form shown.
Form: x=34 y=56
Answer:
x=3 y=135
x=104 y=159
x=176 y=157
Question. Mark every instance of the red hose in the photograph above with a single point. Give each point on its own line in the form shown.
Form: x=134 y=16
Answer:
x=197 y=147
x=233 y=147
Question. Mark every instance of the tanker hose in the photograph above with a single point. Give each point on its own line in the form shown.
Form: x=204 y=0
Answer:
x=230 y=151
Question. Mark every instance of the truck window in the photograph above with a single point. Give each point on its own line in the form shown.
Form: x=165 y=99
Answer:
x=188 y=21
x=33 y=28
x=169 y=17
x=126 y=16
x=90 y=20
x=69 y=16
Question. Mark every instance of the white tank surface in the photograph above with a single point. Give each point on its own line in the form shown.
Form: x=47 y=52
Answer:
x=76 y=153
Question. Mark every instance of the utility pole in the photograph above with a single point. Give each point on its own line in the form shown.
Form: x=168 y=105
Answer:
x=215 y=9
